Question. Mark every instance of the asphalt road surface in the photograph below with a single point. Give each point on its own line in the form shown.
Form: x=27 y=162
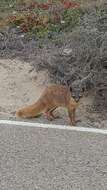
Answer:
x=52 y=159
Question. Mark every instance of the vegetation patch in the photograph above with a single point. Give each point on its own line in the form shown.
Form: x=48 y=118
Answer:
x=45 y=18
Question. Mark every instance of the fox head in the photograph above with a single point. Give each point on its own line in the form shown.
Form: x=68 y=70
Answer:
x=76 y=89
x=76 y=93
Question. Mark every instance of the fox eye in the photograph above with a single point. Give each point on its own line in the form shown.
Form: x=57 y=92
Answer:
x=70 y=88
x=83 y=89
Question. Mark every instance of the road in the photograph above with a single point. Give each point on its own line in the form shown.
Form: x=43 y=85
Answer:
x=51 y=159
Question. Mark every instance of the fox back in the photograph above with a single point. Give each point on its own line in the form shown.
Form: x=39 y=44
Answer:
x=58 y=95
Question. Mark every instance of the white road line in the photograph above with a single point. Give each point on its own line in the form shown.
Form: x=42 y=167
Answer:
x=53 y=126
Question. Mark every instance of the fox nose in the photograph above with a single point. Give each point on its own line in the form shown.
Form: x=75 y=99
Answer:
x=76 y=99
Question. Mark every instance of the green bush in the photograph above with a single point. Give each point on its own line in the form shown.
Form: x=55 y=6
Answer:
x=71 y=18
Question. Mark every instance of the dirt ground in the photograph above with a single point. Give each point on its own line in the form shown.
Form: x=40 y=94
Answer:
x=20 y=85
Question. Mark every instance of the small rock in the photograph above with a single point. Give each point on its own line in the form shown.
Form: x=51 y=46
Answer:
x=67 y=51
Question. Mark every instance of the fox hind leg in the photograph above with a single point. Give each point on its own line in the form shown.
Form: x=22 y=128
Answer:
x=49 y=114
x=52 y=114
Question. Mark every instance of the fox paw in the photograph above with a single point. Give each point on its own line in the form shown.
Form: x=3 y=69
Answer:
x=73 y=123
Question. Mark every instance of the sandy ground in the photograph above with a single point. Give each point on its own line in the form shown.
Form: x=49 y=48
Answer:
x=20 y=85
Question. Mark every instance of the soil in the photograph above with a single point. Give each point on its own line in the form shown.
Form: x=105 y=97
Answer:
x=21 y=85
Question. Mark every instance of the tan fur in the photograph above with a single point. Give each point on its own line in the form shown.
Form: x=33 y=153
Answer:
x=54 y=96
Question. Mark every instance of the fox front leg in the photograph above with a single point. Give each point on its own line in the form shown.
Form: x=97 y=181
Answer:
x=73 y=117
x=71 y=114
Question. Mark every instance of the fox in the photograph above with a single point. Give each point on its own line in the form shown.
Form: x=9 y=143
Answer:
x=53 y=96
